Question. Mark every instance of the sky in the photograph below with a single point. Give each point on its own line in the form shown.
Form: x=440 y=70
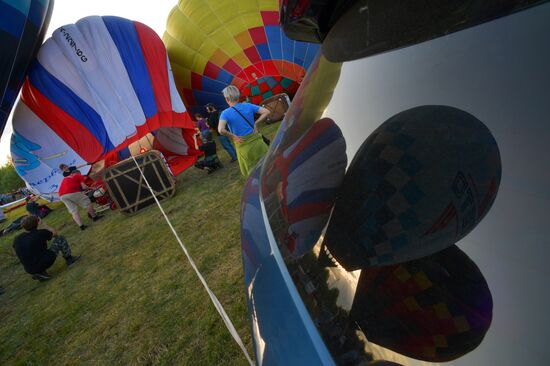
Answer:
x=149 y=12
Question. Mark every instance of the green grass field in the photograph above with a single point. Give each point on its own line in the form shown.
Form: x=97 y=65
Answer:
x=133 y=298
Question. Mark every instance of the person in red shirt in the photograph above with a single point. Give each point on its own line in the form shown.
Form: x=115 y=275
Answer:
x=70 y=193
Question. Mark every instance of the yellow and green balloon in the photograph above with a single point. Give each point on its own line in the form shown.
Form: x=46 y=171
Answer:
x=215 y=43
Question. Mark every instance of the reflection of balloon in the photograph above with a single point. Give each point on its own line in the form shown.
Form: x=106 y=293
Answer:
x=436 y=308
x=97 y=86
x=299 y=186
x=22 y=27
x=233 y=42
x=419 y=183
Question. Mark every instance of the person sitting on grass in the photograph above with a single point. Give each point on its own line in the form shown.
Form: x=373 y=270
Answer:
x=32 y=249
x=33 y=208
x=211 y=161
x=70 y=193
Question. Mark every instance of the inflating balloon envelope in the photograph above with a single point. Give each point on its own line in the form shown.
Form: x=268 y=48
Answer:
x=214 y=44
x=96 y=87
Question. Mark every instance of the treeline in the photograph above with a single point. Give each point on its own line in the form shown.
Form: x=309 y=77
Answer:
x=9 y=179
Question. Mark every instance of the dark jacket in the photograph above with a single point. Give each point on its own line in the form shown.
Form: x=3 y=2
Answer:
x=32 y=249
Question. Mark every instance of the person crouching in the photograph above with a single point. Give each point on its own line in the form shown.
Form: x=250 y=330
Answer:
x=211 y=161
x=32 y=249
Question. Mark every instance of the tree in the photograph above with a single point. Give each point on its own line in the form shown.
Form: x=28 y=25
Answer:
x=9 y=179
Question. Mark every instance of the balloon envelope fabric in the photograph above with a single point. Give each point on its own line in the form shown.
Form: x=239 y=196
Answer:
x=96 y=86
x=419 y=183
x=215 y=43
x=436 y=308
x=299 y=186
x=22 y=27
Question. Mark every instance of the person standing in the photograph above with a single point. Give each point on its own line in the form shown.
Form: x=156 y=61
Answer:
x=213 y=121
x=239 y=117
x=32 y=249
x=70 y=193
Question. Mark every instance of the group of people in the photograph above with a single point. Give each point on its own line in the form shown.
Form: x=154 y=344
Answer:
x=31 y=246
x=237 y=124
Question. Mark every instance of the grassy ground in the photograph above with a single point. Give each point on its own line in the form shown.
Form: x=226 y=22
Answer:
x=133 y=298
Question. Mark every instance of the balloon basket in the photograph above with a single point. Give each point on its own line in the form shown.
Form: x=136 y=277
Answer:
x=277 y=105
x=127 y=186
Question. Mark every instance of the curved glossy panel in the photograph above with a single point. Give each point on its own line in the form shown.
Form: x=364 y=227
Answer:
x=484 y=300
x=273 y=303
x=22 y=27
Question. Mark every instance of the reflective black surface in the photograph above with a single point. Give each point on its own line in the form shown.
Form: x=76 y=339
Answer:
x=483 y=300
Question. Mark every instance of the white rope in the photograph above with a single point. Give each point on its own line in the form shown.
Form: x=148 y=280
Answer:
x=213 y=297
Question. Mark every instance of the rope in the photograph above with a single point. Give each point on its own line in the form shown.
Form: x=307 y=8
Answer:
x=213 y=297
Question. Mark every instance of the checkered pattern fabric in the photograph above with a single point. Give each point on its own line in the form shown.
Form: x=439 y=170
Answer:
x=393 y=170
x=267 y=86
x=436 y=308
x=244 y=45
x=399 y=201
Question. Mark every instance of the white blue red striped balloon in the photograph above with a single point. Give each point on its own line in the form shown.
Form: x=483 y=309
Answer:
x=96 y=86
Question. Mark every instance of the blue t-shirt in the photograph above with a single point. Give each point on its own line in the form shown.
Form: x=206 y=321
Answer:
x=237 y=125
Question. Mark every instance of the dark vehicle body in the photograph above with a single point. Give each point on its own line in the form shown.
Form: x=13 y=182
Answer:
x=489 y=61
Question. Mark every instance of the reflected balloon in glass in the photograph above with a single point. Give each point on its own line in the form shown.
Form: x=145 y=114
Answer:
x=299 y=185
x=418 y=184
x=436 y=308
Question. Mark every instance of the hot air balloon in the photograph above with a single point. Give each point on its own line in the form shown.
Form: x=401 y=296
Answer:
x=96 y=87
x=226 y=42
x=299 y=186
x=436 y=308
x=22 y=27
x=418 y=184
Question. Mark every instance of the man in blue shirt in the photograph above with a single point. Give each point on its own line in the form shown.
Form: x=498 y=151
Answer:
x=239 y=117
